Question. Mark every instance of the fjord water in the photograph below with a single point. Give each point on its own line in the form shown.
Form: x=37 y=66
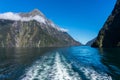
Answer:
x=68 y=63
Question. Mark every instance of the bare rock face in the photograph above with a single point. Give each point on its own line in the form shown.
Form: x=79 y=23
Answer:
x=32 y=29
x=109 y=35
x=32 y=13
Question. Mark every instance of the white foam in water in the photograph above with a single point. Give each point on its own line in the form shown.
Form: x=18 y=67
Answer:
x=40 y=65
x=55 y=67
x=93 y=75
x=57 y=71
x=62 y=71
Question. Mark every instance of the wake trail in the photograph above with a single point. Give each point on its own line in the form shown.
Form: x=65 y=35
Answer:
x=40 y=69
x=63 y=70
x=51 y=68
x=56 y=67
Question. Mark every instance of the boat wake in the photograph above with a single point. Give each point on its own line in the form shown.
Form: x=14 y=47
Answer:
x=56 y=67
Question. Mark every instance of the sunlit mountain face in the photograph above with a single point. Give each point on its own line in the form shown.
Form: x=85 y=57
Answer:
x=32 y=29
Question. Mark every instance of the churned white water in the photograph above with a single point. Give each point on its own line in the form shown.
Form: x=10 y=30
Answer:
x=56 y=67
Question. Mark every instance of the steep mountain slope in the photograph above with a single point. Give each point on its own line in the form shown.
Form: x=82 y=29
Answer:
x=89 y=43
x=109 y=35
x=32 y=30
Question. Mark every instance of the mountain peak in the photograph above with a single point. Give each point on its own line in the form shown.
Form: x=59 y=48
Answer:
x=36 y=12
x=33 y=13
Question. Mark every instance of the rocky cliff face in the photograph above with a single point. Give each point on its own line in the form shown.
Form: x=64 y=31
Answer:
x=32 y=30
x=109 y=35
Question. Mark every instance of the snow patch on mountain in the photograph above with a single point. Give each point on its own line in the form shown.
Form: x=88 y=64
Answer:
x=38 y=18
x=17 y=17
x=58 y=28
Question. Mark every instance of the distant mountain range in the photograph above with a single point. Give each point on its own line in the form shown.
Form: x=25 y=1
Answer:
x=32 y=29
x=109 y=35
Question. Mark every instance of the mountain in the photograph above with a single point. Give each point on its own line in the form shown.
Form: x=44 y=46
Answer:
x=109 y=35
x=89 y=43
x=32 y=29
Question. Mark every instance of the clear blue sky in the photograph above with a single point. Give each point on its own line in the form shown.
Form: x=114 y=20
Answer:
x=83 y=18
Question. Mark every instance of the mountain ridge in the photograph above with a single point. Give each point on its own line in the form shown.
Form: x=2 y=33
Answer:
x=28 y=30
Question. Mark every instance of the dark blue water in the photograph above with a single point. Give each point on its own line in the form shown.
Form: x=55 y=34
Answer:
x=70 y=63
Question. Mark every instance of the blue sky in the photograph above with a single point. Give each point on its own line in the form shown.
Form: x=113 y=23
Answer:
x=82 y=18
